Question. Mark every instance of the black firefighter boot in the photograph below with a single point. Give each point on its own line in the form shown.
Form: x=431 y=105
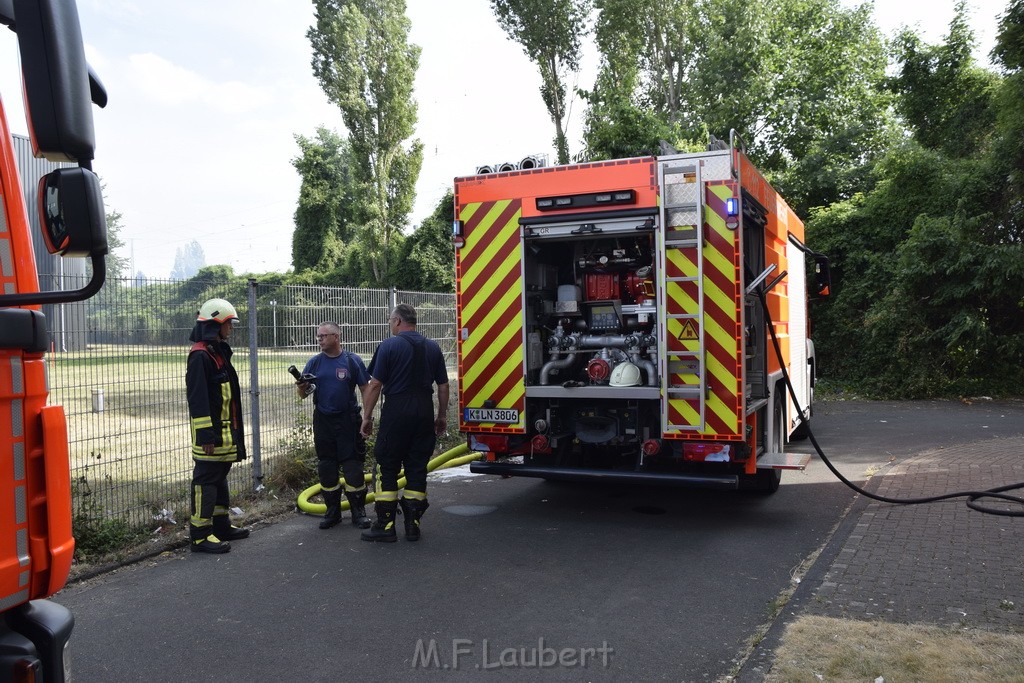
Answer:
x=333 y=516
x=226 y=531
x=205 y=541
x=413 y=510
x=384 y=528
x=357 y=506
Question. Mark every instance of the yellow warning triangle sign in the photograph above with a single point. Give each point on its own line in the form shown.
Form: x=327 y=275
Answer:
x=689 y=330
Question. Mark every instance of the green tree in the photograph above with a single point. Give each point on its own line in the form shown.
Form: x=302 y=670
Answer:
x=929 y=262
x=429 y=254
x=620 y=120
x=366 y=66
x=864 y=333
x=945 y=98
x=802 y=81
x=117 y=264
x=1008 y=151
x=208 y=282
x=829 y=115
x=327 y=217
x=549 y=32
x=1009 y=47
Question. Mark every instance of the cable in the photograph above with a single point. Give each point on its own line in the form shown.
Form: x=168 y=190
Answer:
x=971 y=496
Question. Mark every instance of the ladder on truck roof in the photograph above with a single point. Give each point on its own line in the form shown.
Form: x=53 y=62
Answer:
x=681 y=359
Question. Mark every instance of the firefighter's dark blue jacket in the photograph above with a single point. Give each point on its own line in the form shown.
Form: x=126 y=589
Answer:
x=214 y=397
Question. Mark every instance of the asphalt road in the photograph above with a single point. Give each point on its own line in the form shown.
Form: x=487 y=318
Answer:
x=514 y=578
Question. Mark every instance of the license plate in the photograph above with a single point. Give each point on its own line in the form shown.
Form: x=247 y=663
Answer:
x=495 y=415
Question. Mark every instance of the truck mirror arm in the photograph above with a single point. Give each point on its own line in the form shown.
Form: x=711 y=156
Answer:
x=97 y=92
x=99 y=276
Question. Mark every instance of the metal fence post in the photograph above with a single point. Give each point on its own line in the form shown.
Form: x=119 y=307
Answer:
x=394 y=300
x=254 y=389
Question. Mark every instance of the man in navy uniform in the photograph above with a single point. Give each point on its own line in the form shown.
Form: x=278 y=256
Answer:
x=336 y=437
x=404 y=369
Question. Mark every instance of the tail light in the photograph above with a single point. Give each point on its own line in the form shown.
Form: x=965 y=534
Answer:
x=497 y=443
x=706 y=452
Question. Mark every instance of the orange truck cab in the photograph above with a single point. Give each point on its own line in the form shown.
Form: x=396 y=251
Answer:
x=36 y=543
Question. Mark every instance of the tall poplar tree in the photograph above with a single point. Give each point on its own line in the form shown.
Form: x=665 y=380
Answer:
x=326 y=219
x=366 y=66
x=550 y=32
x=188 y=260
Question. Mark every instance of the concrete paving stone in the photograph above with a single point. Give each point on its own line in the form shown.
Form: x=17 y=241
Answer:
x=943 y=563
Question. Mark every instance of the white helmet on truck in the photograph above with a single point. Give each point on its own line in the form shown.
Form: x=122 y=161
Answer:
x=625 y=375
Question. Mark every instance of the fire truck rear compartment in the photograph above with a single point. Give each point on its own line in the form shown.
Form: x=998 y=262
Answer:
x=593 y=391
x=590 y=308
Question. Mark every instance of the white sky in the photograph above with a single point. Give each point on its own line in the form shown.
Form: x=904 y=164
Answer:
x=206 y=97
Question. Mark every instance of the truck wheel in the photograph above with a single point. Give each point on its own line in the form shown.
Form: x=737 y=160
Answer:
x=763 y=483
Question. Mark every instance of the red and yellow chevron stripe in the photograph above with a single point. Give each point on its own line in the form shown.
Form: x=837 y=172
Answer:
x=721 y=324
x=489 y=286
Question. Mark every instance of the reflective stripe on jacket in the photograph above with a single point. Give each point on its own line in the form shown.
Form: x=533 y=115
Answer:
x=214 y=403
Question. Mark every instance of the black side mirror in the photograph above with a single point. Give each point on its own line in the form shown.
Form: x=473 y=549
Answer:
x=59 y=90
x=73 y=224
x=71 y=212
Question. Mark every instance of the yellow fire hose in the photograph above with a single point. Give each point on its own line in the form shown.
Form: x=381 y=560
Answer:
x=459 y=455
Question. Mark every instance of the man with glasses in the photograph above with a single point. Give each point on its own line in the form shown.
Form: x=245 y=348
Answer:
x=404 y=369
x=339 y=446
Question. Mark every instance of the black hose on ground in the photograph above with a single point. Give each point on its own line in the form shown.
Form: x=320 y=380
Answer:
x=972 y=496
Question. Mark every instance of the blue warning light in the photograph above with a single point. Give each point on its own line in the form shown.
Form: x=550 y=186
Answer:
x=732 y=206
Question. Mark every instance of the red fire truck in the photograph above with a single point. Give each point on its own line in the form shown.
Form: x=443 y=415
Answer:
x=36 y=545
x=614 y=321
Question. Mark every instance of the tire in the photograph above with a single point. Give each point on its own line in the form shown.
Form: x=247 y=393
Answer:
x=768 y=481
x=763 y=483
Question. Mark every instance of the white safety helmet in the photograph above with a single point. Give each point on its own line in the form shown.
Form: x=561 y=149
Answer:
x=217 y=309
x=625 y=375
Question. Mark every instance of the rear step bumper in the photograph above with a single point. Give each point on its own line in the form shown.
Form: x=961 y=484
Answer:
x=721 y=482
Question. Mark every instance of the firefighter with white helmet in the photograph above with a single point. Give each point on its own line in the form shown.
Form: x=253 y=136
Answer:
x=218 y=439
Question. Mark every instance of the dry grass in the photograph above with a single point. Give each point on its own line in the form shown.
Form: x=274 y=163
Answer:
x=816 y=649
x=132 y=459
